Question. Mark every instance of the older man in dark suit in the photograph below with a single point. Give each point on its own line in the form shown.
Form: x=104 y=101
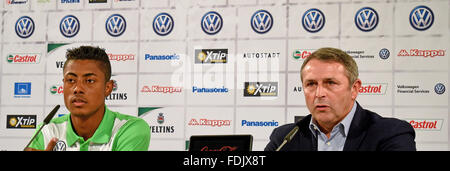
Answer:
x=337 y=122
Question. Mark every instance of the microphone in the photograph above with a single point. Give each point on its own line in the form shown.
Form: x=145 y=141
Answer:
x=46 y=121
x=288 y=137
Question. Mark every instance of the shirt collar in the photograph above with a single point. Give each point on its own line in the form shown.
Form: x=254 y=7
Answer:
x=346 y=122
x=102 y=134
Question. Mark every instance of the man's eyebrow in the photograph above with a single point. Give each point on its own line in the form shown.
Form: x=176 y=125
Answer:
x=89 y=74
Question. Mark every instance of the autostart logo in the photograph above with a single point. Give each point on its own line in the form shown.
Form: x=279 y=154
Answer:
x=21 y=121
x=209 y=122
x=23 y=58
x=420 y=52
x=161 y=89
x=426 y=124
x=373 y=89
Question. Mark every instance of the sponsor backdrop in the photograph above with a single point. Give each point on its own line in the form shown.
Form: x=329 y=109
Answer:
x=194 y=67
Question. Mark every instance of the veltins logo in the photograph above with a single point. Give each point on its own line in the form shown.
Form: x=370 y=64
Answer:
x=115 y=25
x=69 y=26
x=211 y=56
x=258 y=89
x=21 y=121
x=56 y=89
x=366 y=19
x=163 y=24
x=421 y=18
x=261 y=21
x=212 y=23
x=313 y=20
x=24 y=27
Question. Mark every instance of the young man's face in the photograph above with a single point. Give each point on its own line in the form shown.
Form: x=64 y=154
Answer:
x=85 y=87
x=329 y=95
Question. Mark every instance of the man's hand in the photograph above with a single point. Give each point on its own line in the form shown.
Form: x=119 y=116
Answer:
x=50 y=146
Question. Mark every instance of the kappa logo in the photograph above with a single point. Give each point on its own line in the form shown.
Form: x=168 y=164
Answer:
x=24 y=27
x=212 y=23
x=366 y=19
x=115 y=25
x=69 y=26
x=313 y=20
x=163 y=24
x=421 y=18
x=261 y=21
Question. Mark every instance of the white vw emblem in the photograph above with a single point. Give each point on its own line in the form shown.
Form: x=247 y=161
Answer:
x=261 y=21
x=163 y=24
x=69 y=26
x=60 y=146
x=421 y=18
x=115 y=25
x=24 y=27
x=439 y=88
x=211 y=23
x=313 y=20
x=366 y=19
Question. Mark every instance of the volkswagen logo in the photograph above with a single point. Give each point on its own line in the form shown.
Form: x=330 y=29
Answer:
x=24 y=27
x=421 y=18
x=115 y=25
x=211 y=23
x=261 y=21
x=60 y=146
x=366 y=19
x=384 y=53
x=163 y=24
x=69 y=26
x=313 y=20
x=439 y=88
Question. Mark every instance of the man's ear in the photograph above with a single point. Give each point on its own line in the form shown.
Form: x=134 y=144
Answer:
x=109 y=87
x=355 y=88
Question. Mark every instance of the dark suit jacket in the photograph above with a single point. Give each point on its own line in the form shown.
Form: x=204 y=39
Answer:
x=368 y=132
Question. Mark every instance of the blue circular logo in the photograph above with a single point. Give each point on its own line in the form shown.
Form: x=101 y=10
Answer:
x=421 y=18
x=69 y=26
x=366 y=19
x=211 y=23
x=115 y=25
x=384 y=53
x=439 y=88
x=261 y=21
x=24 y=27
x=163 y=24
x=313 y=20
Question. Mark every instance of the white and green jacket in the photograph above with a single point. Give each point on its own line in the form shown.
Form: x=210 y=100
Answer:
x=116 y=132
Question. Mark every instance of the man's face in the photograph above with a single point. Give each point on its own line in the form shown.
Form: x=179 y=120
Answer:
x=85 y=88
x=328 y=93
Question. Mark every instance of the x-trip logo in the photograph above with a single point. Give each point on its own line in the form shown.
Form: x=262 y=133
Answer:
x=261 y=21
x=313 y=20
x=115 y=25
x=421 y=18
x=366 y=19
x=212 y=23
x=69 y=26
x=163 y=24
x=24 y=27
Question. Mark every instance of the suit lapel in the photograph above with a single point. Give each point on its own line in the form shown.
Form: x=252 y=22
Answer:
x=357 y=131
